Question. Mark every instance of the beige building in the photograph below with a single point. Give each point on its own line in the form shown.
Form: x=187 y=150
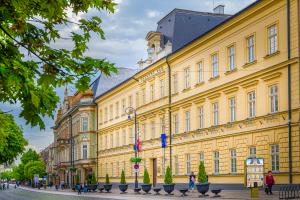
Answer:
x=229 y=94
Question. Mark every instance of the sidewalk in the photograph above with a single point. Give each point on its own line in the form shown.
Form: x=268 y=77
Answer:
x=115 y=194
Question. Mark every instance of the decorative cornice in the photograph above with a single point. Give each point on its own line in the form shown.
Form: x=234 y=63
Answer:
x=271 y=76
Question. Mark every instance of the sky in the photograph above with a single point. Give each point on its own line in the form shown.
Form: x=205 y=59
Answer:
x=125 y=43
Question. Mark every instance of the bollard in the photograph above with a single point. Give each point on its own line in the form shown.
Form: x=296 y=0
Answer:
x=254 y=191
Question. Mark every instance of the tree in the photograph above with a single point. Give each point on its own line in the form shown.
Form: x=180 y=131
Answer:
x=123 y=180
x=93 y=179
x=202 y=178
x=7 y=175
x=12 y=142
x=33 y=28
x=30 y=155
x=34 y=167
x=146 y=179
x=106 y=179
x=168 y=176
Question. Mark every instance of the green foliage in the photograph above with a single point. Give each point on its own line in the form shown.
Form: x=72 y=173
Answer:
x=135 y=159
x=34 y=167
x=168 y=176
x=12 y=142
x=202 y=178
x=8 y=175
x=146 y=179
x=30 y=155
x=34 y=28
x=123 y=180
x=77 y=179
x=93 y=179
x=106 y=179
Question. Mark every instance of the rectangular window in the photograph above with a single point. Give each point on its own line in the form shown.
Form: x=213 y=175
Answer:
x=105 y=114
x=131 y=136
x=251 y=104
x=275 y=157
x=112 y=169
x=175 y=84
x=201 y=156
x=124 y=137
x=144 y=96
x=215 y=108
x=188 y=164
x=143 y=134
x=152 y=92
x=273 y=94
x=252 y=152
x=215 y=65
x=111 y=140
x=118 y=139
x=200 y=72
x=123 y=105
x=84 y=151
x=232 y=109
x=272 y=39
x=162 y=124
x=101 y=117
x=153 y=129
x=84 y=123
x=162 y=88
x=231 y=58
x=201 y=117
x=111 y=112
x=233 y=160
x=187 y=78
x=176 y=123
x=187 y=121
x=176 y=165
x=250 y=48
x=117 y=109
x=163 y=166
x=216 y=162
x=130 y=101
x=124 y=166
x=137 y=100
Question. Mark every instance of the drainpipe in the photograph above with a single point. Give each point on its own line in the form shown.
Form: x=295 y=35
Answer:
x=289 y=94
x=71 y=151
x=170 y=113
x=97 y=142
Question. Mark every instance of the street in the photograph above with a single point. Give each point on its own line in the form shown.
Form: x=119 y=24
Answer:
x=20 y=194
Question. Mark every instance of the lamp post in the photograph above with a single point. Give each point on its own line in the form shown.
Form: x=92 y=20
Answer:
x=130 y=111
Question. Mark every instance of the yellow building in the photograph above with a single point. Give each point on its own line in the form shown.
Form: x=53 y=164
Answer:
x=234 y=94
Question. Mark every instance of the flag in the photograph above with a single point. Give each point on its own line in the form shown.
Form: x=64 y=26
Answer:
x=138 y=145
x=163 y=140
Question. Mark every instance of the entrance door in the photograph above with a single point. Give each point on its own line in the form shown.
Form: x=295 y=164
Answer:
x=154 y=167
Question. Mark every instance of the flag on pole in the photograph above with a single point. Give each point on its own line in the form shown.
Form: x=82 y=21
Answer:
x=163 y=140
x=138 y=145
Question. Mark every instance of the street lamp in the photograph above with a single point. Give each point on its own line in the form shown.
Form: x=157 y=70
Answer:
x=129 y=111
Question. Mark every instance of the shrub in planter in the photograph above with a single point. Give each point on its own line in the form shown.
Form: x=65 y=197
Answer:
x=123 y=186
x=169 y=185
x=203 y=185
x=107 y=186
x=93 y=181
x=146 y=186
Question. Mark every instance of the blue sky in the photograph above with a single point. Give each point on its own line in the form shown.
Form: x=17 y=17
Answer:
x=125 y=42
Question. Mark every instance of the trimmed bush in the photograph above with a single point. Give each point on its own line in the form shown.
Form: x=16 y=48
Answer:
x=146 y=179
x=168 y=176
x=123 y=181
x=77 y=179
x=202 y=178
x=93 y=179
x=106 y=179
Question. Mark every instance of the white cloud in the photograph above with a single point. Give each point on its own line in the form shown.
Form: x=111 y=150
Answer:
x=153 y=13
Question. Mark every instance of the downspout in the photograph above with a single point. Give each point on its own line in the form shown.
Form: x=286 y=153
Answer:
x=170 y=113
x=71 y=151
x=289 y=94
x=97 y=142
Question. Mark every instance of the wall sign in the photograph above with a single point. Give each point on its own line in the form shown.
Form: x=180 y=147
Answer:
x=151 y=74
x=255 y=172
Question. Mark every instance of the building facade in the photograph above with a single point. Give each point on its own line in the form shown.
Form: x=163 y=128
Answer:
x=229 y=94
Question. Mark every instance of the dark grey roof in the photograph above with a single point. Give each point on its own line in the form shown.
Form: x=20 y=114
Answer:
x=104 y=83
x=182 y=26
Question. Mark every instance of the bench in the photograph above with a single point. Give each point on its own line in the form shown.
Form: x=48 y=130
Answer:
x=183 y=191
x=157 y=190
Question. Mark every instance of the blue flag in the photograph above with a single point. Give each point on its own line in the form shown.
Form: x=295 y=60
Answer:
x=163 y=140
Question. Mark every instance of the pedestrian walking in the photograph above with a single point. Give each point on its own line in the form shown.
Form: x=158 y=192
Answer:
x=269 y=182
x=192 y=180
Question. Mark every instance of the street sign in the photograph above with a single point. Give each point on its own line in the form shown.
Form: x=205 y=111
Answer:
x=136 y=170
x=136 y=166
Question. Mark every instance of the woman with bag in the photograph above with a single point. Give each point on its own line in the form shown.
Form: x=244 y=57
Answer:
x=192 y=181
x=269 y=182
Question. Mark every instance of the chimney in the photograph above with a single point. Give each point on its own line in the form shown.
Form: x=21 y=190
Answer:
x=219 y=9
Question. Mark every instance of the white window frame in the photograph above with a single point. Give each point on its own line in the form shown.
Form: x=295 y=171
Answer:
x=273 y=95
x=252 y=104
x=152 y=92
x=187 y=76
x=162 y=88
x=84 y=151
x=200 y=72
x=188 y=164
x=187 y=121
x=272 y=39
x=162 y=124
x=252 y=152
x=144 y=96
x=176 y=165
x=216 y=162
x=176 y=123
x=201 y=157
x=124 y=137
x=275 y=159
x=153 y=129
x=251 y=48
x=215 y=65
x=84 y=123
x=201 y=117
x=233 y=161
x=231 y=58
x=215 y=109
x=175 y=83
x=232 y=109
